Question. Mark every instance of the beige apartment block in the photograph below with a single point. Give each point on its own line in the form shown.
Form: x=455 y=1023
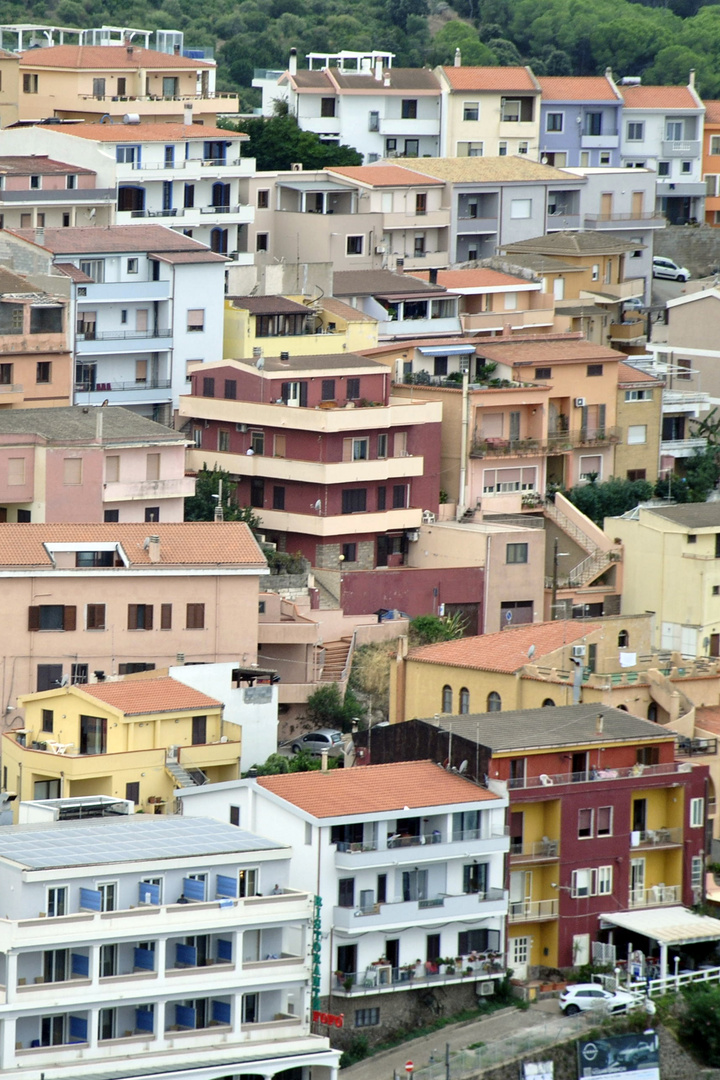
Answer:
x=489 y=111
x=639 y=417
x=122 y=598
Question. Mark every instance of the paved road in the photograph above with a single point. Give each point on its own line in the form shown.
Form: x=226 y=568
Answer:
x=544 y=1017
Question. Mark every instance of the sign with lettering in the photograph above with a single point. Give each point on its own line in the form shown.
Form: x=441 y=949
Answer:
x=328 y=1018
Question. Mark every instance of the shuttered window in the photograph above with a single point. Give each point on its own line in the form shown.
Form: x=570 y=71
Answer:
x=195 y=617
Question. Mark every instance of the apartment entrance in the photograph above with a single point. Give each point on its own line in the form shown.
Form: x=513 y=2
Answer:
x=556 y=469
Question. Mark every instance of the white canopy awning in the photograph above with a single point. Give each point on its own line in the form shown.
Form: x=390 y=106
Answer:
x=671 y=926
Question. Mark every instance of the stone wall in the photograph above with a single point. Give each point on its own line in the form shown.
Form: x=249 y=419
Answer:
x=697 y=247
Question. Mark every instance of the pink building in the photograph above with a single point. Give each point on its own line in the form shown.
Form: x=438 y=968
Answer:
x=335 y=467
x=37 y=191
x=90 y=464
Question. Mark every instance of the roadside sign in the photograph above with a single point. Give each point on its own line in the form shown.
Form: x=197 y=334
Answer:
x=408 y=1066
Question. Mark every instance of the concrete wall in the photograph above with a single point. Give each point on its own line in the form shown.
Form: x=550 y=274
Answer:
x=418 y=592
x=697 y=247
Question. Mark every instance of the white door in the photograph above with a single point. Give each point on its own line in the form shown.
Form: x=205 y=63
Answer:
x=559 y=288
x=637 y=882
x=520 y=892
x=519 y=956
x=581 y=949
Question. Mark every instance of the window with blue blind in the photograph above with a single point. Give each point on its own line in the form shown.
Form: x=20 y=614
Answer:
x=185 y=955
x=221 y=1012
x=145 y=1018
x=184 y=1016
x=78 y=1029
x=79 y=965
x=147 y=893
x=144 y=959
x=193 y=889
x=226 y=886
x=90 y=900
x=224 y=950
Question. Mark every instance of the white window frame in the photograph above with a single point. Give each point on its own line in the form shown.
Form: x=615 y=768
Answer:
x=697 y=813
x=604 y=878
x=55 y=889
x=696 y=871
x=251 y=881
x=355 y=254
x=587 y=810
x=102 y=887
x=597 y=818
x=638 y=395
x=510 y=115
x=632 y=126
x=159 y=881
x=582 y=474
x=471 y=106
x=583 y=883
x=633 y=433
x=516 y=209
x=361 y=449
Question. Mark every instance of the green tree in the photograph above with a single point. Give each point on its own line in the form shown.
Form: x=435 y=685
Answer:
x=459 y=35
x=277 y=142
x=327 y=707
x=301 y=762
x=699 y=1030
x=609 y=499
x=201 y=506
x=699 y=477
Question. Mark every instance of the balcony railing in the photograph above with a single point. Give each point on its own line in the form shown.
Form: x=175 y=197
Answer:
x=662 y=837
x=627 y=773
x=179 y=211
x=643 y=215
x=686 y=747
x=539 y=849
x=655 y=895
x=556 y=441
x=434 y=837
x=101 y=387
x=222 y=96
x=437 y=901
x=122 y=335
x=532 y=910
x=187 y=163
x=477 y=966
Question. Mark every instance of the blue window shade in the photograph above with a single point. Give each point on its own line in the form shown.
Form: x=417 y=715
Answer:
x=193 y=890
x=186 y=954
x=148 y=894
x=78 y=1029
x=226 y=886
x=224 y=949
x=184 y=1016
x=144 y=959
x=90 y=899
x=221 y=1012
x=79 y=964
x=144 y=1019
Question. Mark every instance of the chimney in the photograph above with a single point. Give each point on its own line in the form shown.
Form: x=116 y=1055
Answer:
x=153 y=548
x=378 y=70
x=323 y=760
x=285 y=358
x=433 y=275
x=458 y=58
x=187 y=114
x=400 y=266
x=292 y=63
x=39 y=236
x=599 y=724
x=608 y=73
x=129 y=50
x=691 y=81
x=176 y=50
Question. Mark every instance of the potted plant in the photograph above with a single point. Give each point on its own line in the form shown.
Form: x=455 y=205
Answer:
x=348 y=983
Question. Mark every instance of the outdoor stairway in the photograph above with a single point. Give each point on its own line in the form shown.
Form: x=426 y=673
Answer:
x=569 y=527
x=182 y=777
x=336 y=654
x=597 y=560
x=328 y=602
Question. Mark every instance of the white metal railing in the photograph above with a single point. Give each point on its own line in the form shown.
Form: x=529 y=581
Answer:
x=654 y=896
x=531 y=910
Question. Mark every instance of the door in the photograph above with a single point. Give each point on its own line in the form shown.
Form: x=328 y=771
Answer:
x=514 y=426
x=578 y=767
x=637 y=881
x=637 y=203
x=414 y=884
x=221 y=196
x=639 y=815
x=516 y=832
x=347 y=959
x=392 y=951
x=581 y=949
x=432 y=948
x=520 y=892
x=346 y=892
x=606 y=205
x=131 y=199
x=519 y=956
x=559 y=288
x=382 y=551
x=199 y=730
x=49 y=676
x=141 y=320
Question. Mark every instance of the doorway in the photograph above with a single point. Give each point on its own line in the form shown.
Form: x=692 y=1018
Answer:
x=392 y=952
x=639 y=817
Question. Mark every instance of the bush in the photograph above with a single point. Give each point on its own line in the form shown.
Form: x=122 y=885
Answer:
x=282 y=562
x=358 y=1049
x=427 y=629
x=326 y=707
x=699 y=1031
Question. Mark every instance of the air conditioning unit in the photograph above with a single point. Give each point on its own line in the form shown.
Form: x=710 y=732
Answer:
x=381 y=249
x=579 y=402
x=486 y=988
x=241 y=427
x=413 y=536
x=578 y=651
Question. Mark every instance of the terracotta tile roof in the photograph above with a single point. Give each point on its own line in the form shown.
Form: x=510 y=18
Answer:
x=658 y=97
x=629 y=374
x=269 y=305
x=490 y=78
x=106 y=58
x=39 y=164
x=178 y=257
x=378 y=282
x=139 y=133
x=111 y=238
x=309 y=80
x=137 y=696
x=577 y=88
x=345 y=311
x=383 y=176
x=490 y=170
x=712 y=112
x=374 y=789
x=73 y=272
x=504 y=652
x=707 y=718
x=473 y=279
x=570 y=243
x=400 y=79
x=548 y=349
x=191 y=543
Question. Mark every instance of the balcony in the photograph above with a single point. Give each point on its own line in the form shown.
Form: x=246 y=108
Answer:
x=341 y=524
x=441 y=908
x=118 y=342
x=10 y=393
x=532 y=910
x=681 y=189
x=401 y=128
x=411 y=219
x=471 y=226
x=71 y=196
x=556 y=442
x=153 y=105
x=655 y=896
x=538 y=851
x=379 y=978
x=419 y=327
x=689 y=400
x=193 y=215
x=321 y=125
x=599 y=142
x=650 y=219
x=558 y=220
x=123 y=393
x=687 y=747
x=192 y=164
x=681 y=148
x=179 y=487
x=656 y=838
x=315 y=472
x=681 y=448
x=414 y=849
x=399 y=412
x=631 y=772
x=98 y=292
x=628 y=331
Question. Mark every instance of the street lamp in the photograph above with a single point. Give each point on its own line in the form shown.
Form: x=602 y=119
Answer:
x=556 y=555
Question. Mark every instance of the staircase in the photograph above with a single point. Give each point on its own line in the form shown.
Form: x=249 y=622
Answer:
x=588 y=569
x=569 y=527
x=328 y=602
x=336 y=655
x=182 y=777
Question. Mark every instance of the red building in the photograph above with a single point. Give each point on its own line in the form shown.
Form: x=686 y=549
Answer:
x=335 y=468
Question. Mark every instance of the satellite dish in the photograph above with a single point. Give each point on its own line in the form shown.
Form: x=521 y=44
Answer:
x=463 y=767
x=531 y=652
x=317 y=505
x=260 y=362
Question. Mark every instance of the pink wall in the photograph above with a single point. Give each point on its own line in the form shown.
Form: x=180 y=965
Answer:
x=268 y=387
x=76 y=502
x=412 y=591
x=17 y=492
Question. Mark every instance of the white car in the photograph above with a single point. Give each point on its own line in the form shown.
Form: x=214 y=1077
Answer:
x=668 y=268
x=582 y=997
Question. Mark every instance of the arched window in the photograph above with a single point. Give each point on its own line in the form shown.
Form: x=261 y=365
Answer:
x=623 y=639
x=548 y=703
x=447 y=699
x=464 y=700
x=653 y=712
x=494 y=702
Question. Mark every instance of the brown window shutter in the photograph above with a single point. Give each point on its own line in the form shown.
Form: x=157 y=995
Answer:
x=96 y=616
x=347 y=449
x=199 y=616
x=148 y=616
x=33 y=618
x=166 y=616
x=132 y=616
x=69 y=617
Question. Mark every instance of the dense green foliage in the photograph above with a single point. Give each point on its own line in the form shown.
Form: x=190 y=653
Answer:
x=301 y=762
x=427 y=629
x=201 y=505
x=699 y=1030
x=278 y=142
x=610 y=499
x=658 y=39
x=327 y=707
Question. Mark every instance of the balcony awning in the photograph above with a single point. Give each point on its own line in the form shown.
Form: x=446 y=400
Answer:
x=446 y=350
x=673 y=926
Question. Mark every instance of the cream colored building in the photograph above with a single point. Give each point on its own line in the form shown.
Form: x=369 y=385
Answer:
x=489 y=111
x=639 y=418
x=298 y=325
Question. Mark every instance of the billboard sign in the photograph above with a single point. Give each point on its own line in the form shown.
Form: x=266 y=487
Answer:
x=620 y=1057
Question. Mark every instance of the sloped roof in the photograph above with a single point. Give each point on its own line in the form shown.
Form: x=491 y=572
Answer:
x=345 y=311
x=577 y=88
x=154 y=132
x=378 y=282
x=383 y=175
x=137 y=696
x=491 y=170
x=14 y=283
x=491 y=78
x=190 y=543
x=659 y=97
x=506 y=651
x=482 y=278
x=38 y=164
x=544 y=349
x=566 y=244
x=106 y=58
x=269 y=305
x=689 y=515
x=629 y=374
x=398 y=78
x=405 y=785
x=712 y=112
x=78 y=423
x=111 y=238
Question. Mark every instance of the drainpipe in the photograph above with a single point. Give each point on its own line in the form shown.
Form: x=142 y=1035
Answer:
x=463 y=444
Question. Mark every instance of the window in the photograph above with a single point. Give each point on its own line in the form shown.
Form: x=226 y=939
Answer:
x=520 y=208
x=152 y=513
x=111 y=515
x=95 y=617
x=95 y=269
x=52 y=617
x=354 y=500
x=354 y=245
x=400 y=444
x=367 y=1017
x=195 y=320
x=593 y=370
x=195 y=617
x=399 y=496
x=261 y=241
x=510 y=111
x=381 y=498
x=93 y=735
x=696 y=872
x=471 y=110
x=421 y=202
x=327 y=106
x=278 y=501
x=373 y=121
x=166 y=616
x=43 y=371
x=152 y=467
x=35 y=183
x=635 y=131
x=523 y=147
x=208 y=386
x=108 y=897
x=327 y=392
x=408 y=109
x=554 y=121
x=604 y=880
x=57 y=901
x=582 y=883
x=516 y=553
x=349 y=552
x=638 y=395
x=47 y=720
x=263 y=199
x=585 y=824
x=72 y=471
x=30 y=83
x=697 y=813
x=223 y=441
x=230 y=389
x=636 y=474
x=502 y=149
x=257 y=442
x=257 y=492
x=199 y=731
x=637 y=434
x=494 y=702
x=663 y=168
x=140 y=616
x=353 y=389
x=604 y=820
x=464 y=701
x=543 y=373
x=412 y=147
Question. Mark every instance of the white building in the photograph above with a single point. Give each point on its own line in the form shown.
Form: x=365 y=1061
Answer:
x=145 y=302
x=188 y=176
x=151 y=946
x=662 y=129
x=408 y=858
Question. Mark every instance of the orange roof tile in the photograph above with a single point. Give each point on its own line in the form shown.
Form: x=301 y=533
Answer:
x=473 y=279
x=190 y=543
x=489 y=78
x=139 y=133
x=658 y=97
x=137 y=696
x=373 y=789
x=577 y=88
x=712 y=112
x=383 y=175
x=546 y=348
x=707 y=718
x=629 y=374
x=506 y=651
x=106 y=58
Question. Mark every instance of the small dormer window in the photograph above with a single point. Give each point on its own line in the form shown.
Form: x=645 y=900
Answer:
x=35 y=183
x=71 y=181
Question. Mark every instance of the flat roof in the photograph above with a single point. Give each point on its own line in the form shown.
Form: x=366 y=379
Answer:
x=668 y=926
x=690 y=515
x=137 y=838
x=79 y=423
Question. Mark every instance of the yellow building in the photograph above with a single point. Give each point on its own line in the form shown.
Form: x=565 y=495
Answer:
x=278 y=324
x=132 y=739
x=639 y=418
x=489 y=111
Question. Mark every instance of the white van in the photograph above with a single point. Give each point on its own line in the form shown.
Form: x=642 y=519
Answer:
x=667 y=268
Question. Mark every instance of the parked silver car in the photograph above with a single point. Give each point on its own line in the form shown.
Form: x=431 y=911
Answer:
x=317 y=741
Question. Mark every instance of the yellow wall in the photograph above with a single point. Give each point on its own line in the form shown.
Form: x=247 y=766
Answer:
x=640 y=455
x=239 y=338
